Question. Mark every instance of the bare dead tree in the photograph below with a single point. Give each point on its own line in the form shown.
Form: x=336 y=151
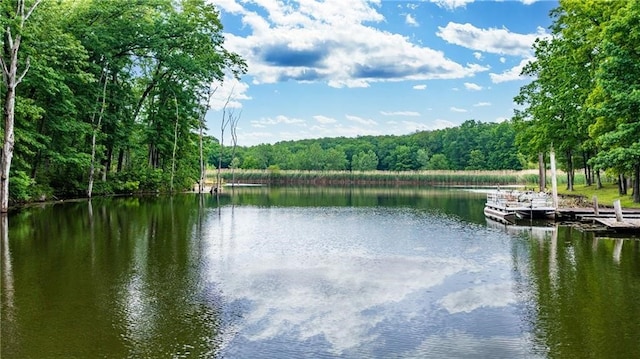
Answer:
x=96 y=129
x=226 y=119
x=204 y=108
x=234 y=141
x=11 y=79
x=175 y=143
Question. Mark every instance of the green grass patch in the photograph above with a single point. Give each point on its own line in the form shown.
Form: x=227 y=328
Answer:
x=606 y=195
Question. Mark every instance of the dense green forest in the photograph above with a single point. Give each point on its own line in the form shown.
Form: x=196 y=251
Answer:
x=471 y=146
x=114 y=92
x=105 y=97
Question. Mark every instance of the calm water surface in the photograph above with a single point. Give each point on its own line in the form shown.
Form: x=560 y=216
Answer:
x=311 y=273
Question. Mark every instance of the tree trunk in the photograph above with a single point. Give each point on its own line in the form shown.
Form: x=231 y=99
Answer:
x=234 y=139
x=622 y=184
x=96 y=129
x=9 y=139
x=175 y=145
x=223 y=125
x=598 y=179
x=106 y=164
x=570 y=171
x=636 y=184
x=120 y=160
x=587 y=169
x=11 y=79
x=542 y=172
x=203 y=168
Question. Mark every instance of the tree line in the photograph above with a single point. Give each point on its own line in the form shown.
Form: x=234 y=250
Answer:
x=471 y=146
x=110 y=94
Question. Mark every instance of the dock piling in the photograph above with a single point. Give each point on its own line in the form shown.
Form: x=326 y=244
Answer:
x=618 y=209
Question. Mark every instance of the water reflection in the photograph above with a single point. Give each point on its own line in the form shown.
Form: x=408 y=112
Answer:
x=8 y=302
x=579 y=290
x=366 y=282
x=344 y=273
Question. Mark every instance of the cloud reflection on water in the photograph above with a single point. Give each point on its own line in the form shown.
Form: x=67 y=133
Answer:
x=470 y=299
x=303 y=281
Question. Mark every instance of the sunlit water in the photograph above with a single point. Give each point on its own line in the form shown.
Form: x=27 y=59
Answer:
x=311 y=273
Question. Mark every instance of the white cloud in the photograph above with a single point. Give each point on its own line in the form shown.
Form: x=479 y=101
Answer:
x=420 y=87
x=331 y=41
x=324 y=119
x=451 y=4
x=413 y=126
x=456 y=109
x=477 y=55
x=280 y=119
x=528 y=2
x=495 y=41
x=511 y=74
x=440 y=124
x=400 y=113
x=502 y=59
x=472 y=87
x=410 y=20
x=482 y=104
x=230 y=6
x=360 y=120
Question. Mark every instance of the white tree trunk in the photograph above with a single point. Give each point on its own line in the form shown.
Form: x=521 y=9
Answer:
x=9 y=139
x=175 y=145
x=96 y=129
x=11 y=79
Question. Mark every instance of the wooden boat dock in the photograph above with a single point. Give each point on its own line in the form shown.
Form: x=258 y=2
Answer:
x=619 y=220
x=508 y=207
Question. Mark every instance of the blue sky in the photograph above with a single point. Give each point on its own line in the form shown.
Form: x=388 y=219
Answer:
x=355 y=67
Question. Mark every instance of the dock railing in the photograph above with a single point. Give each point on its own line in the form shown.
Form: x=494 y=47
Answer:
x=520 y=199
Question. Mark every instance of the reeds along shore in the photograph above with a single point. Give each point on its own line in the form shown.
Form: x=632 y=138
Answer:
x=433 y=178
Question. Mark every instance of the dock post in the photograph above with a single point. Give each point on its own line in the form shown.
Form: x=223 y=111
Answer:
x=554 y=181
x=618 y=209
x=596 y=210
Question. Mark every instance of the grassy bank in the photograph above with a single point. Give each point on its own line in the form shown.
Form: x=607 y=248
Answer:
x=606 y=195
x=429 y=178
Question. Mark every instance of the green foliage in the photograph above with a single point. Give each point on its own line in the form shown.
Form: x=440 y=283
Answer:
x=19 y=187
x=153 y=59
x=584 y=98
x=491 y=141
x=152 y=180
x=476 y=160
x=438 y=162
x=364 y=161
x=274 y=169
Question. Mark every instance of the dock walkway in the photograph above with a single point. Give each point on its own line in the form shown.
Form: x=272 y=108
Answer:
x=605 y=216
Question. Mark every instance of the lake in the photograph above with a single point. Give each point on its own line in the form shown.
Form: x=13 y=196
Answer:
x=311 y=273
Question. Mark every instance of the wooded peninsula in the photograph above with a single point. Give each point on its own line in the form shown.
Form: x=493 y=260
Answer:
x=109 y=97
